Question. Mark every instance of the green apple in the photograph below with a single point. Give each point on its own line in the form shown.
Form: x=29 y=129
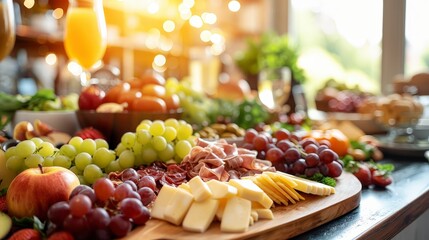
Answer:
x=34 y=190
x=6 y=223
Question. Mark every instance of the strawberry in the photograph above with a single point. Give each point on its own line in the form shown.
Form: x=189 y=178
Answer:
x=363 y=173
x=26 y=234
x=61 y=235
x=381 y=180
x=90 y=132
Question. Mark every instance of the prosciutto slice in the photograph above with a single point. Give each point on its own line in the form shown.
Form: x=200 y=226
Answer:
x=222 y=161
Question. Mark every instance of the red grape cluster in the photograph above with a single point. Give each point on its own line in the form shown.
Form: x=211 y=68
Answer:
x=105 y=211
x=290 y=153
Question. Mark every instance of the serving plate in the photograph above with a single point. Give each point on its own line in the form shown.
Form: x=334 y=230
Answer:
x=416 y=149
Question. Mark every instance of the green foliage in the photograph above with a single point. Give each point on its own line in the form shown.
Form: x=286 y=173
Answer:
x=270 y=51
x=318 y=177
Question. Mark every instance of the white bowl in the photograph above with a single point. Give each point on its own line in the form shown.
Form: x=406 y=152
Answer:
x=64 y=121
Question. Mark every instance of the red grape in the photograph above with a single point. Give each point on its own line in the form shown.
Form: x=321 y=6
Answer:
x=310 y=171
x=122 y=191
x=98 y=218
x=78 y=226
x=143 y=217
x=299 y=166
x=274 y=155
x=135 y=195
x=58 y=212
x=80 y=205
x=250 y=135
x=328 y=156
x=282 y=134
x=260 y=143
x=312 y=160
x=311 y=148
x=147 y=181
x=103 y=188
x=120 y=225
x=323 y=169
x=132 y=184
x=284 y=145
x=307 y=141
x=292 y=155
x=77 y=190
x=130 y=174
x=335 y=169
x=89 y=193
x=147 y=195
x=131 y=207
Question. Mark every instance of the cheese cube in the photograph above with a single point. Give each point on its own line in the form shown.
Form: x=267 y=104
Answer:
x=199 y=189
x=185 y=186
x=221 y=208
x=264 y=213
x=247 y=189
x=178 y=206
x=200 y=215
x=236 y=216
x=221 y=189
x=164 y=196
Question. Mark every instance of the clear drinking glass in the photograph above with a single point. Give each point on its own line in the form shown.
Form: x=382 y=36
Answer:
x=274 y=87
x=85 y=36
x=7 y=28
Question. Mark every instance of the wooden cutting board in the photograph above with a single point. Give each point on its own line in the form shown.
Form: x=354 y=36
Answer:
x=289 y=221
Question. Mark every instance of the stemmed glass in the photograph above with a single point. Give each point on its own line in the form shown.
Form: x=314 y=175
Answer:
x=7 y=28
x=274 y=87
x=85 y=36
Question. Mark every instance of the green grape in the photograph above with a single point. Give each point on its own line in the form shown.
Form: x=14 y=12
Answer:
x=126 y=159
x=143 y=126
x=68 y=150
x=182 y=122
x=119 y=149
x=15 y=163
x=82 y=180
x=192 y=140
x=137 y=149
x=99 y=143
x=149 y=154
x=62 y=161
x=33 y=160
x=182 y=148
x=143 y=136
x=184 y=131
x=170 y=133
x=138 y=159
x=147 y=122
x=76 y=142
x=113 y=167
x=167 y=154
x=172 y=85
x=9 y=152
x=37 y=141
x=157 y=128
x=171 y=122
x=88 y=145
x=75 y=170
x=128 y=139
x=82 y=160
x=25 y=148
x=91 y=173
x=49 y=161
x=46 y=149
x=103 y=156
x=159 y=143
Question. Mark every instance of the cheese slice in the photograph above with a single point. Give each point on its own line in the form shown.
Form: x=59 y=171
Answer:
x=178 y=206
x=276 y=187
x=200 y=215
x=236 y=216
x=199 y=189
x=221 y=208
x=264 y=213
x=247 y=189
x=308 y=186
x=221 y=189
x=185 y=186
x=164 y=196
x=254 y=215
x=272 y=195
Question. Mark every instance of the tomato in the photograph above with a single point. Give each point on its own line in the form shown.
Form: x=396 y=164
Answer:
x=153 y=90
x=91 y=97
x=113 y=93
x=152 y=78
x=339 y=142
x=149 y=104
x=129 y=97
x=172 y=101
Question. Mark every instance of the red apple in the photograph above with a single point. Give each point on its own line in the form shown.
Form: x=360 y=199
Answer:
x=34 y=190
x=91 y=97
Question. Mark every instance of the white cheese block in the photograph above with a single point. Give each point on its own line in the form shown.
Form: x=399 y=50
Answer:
x=185 y=186
x=247 y=189
x=161 y=201
x=199 y=189
x=236 y=216
x=178 y=206
x=264 y=213
x=200 y=215
x=221 y=208
x=221 y=189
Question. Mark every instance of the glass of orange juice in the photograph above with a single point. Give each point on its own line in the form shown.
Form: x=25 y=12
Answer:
x=85 y=34
x=7 y=28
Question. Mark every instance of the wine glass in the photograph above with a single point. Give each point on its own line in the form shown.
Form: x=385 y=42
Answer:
x=7 y=28
x=85 y=34
x=274 y=87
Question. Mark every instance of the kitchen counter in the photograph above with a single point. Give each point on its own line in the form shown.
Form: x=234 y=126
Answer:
x=383 y=213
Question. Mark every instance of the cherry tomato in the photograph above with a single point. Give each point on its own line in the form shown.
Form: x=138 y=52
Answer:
x=172 y=101
x=153 y=90
x=149 y=104
x=129 y=97
x=113 y=93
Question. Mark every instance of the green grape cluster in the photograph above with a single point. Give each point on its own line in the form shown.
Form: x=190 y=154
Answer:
x=169 y=140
